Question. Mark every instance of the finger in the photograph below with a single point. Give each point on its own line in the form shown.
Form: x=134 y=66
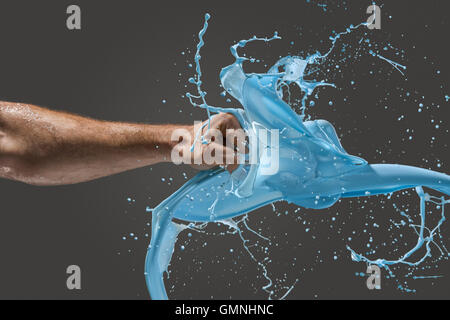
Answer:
x=217 y=154
x=230 y=159
x=237 y=140
x=213 y=135
x=226 y=121
x=233 y=122
x=241 y=139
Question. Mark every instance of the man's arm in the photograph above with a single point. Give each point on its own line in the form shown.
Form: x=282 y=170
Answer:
x=44 y=147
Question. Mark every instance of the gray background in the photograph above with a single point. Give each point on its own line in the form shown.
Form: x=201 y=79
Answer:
x=127 y=59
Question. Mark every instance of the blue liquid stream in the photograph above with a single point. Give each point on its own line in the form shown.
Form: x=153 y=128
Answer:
x=314 y=169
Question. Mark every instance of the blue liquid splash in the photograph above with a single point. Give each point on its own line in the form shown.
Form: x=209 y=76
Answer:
x=314 y=169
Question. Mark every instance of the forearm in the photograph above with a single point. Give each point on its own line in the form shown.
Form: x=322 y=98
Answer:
x=45 y=147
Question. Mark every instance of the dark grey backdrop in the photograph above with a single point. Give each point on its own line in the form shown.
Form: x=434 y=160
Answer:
x=126 y=60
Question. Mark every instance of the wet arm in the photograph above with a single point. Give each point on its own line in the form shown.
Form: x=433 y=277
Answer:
x=44 y=147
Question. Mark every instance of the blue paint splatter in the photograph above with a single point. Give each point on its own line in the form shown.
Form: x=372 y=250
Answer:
x=314 y=170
